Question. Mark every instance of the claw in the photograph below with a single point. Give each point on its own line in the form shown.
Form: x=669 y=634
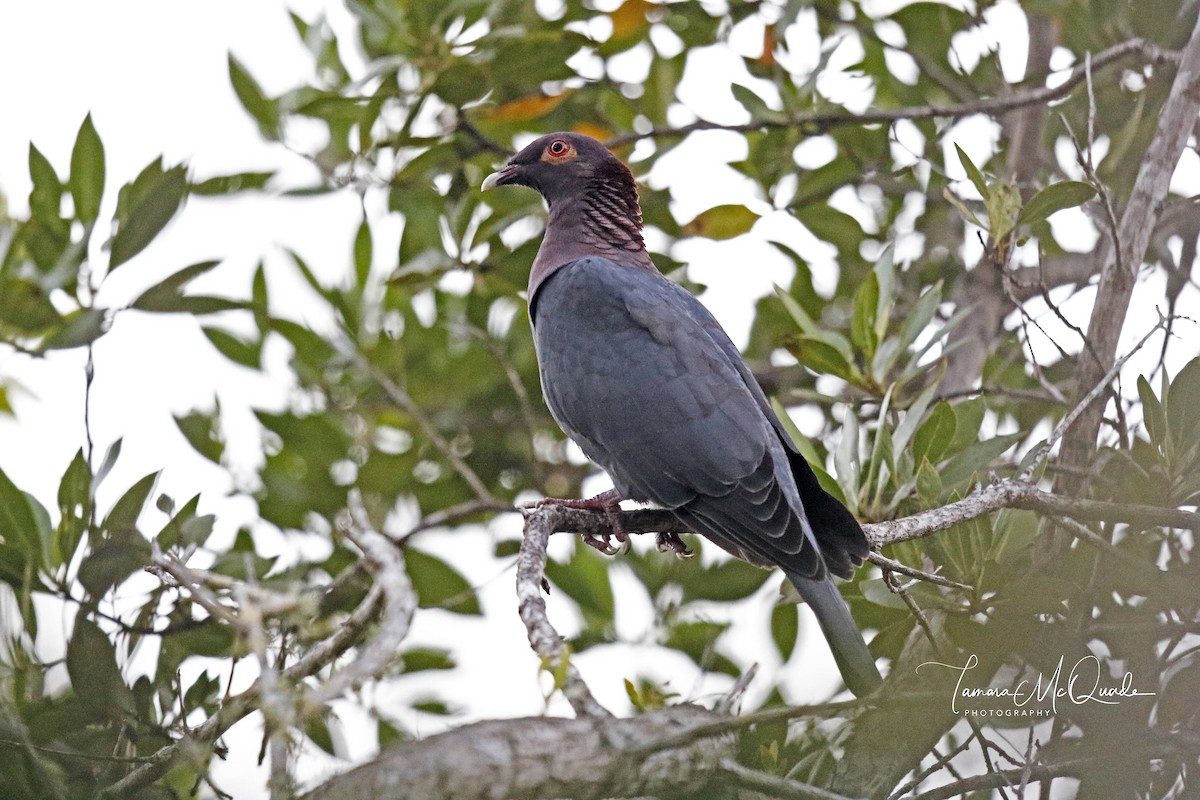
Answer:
x=601 y=543
x=671 y=541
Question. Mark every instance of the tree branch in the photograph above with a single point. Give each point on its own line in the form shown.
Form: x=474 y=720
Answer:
x=585 y=757
x=824 y=120
x=201 y=738
x=1119 y=274
x=543 y=638
x=771 y=786
x=1003 y=493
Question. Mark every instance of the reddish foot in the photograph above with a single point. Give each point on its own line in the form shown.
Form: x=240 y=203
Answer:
x=610 y=503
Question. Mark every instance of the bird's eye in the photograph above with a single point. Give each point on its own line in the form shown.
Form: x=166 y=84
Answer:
x=558 y=147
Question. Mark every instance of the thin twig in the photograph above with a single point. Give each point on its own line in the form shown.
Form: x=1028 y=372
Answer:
x=771 y=786
x=1100 y=387
x=880 y=560
x=405 y=401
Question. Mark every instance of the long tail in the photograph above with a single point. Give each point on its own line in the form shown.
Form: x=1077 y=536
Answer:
x=849 y=649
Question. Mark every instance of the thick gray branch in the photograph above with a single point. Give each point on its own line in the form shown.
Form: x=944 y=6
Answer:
x=584 y=758
x=1119 y=274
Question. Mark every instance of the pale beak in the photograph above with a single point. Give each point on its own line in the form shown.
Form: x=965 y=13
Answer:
x=498 y=178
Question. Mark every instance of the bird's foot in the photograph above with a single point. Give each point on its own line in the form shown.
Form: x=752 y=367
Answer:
x=610 y=503
x=671 y=541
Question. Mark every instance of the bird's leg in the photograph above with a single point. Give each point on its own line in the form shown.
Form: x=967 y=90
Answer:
x=671 y=541
x=610 y=503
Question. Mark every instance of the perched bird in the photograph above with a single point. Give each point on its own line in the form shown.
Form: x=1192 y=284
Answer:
x=642 y=377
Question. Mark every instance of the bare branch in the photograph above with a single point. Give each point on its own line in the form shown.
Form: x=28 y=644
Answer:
x=882 y=561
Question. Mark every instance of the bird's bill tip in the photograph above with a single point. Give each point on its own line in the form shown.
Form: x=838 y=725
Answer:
x=496 y=179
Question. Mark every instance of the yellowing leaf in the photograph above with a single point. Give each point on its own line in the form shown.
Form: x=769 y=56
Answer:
x=593 y=130
x=526 y=108
x=721 y=222
x=769 y=44
x=630 y=19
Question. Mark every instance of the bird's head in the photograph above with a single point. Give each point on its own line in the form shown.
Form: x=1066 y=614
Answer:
x=566 y=166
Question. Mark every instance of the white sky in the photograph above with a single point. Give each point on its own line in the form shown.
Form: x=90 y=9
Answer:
x=154 y=77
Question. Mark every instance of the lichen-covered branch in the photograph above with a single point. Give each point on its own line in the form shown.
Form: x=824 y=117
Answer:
x=386 y=565
x=1004 y=493
x=584 y=758
x=543 y=638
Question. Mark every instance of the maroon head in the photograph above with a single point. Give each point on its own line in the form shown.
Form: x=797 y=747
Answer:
x=568 y=166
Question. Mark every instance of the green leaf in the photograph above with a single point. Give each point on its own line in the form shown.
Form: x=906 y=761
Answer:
x=935 y=434
x=820 y=356
x=46 y=195
x=885 y=274
x=166 y=294
x=973 y=173
x=976 y=457
x=74 y=507
x=146 y=218
x=362 y=253
x=25 y=307
x=18 y=527
x=967 y=213
x=248 y=354
x=1183 y=404
x=87 y=171
x=698 y=641
x=754 y=105
x=585 y=580
x=264 y=110
x=785 y=621
x=231 y=184
x=95 y=676
x=862 y=324
x=1152 y=412
x=203 y=433
x=77 y=329
x=721 y=222
x=316 y=728
x=724 y=582
x=438 y=585
x=420 y=659
x=920 y=315
x=125 y=512
x=1056 y=197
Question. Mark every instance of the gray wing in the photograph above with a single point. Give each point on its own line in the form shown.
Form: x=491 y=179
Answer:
x=641 y=376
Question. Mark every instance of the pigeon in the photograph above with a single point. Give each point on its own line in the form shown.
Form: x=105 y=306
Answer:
x=641 y=376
